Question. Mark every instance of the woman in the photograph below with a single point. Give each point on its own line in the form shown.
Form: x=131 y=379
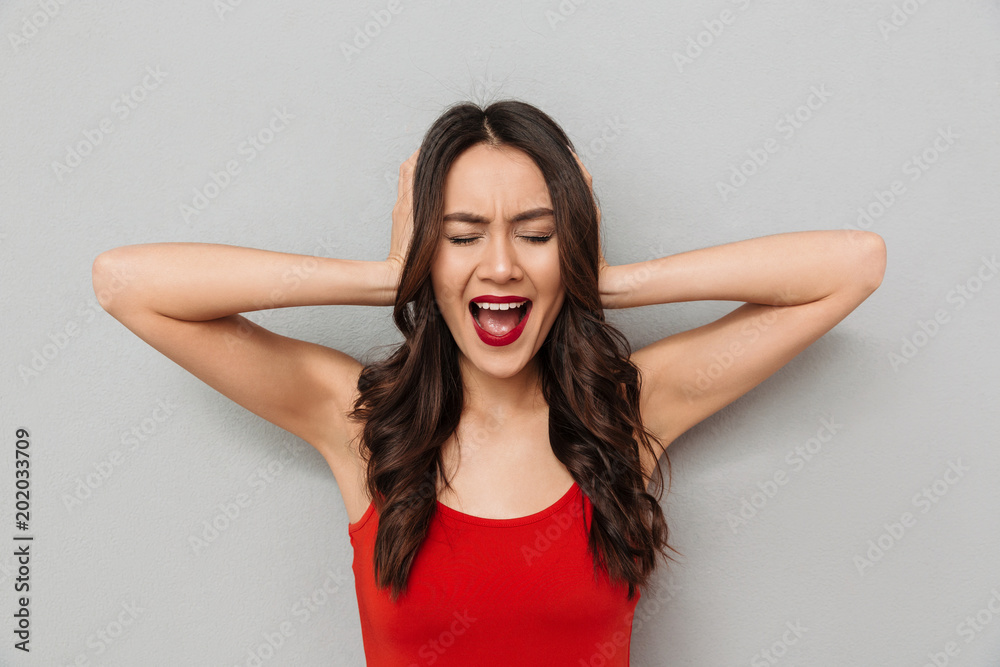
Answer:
x=495 y=467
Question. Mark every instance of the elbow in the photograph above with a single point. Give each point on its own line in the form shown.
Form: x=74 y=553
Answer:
x=876 y=261
x=871 y=258
x=110 y=278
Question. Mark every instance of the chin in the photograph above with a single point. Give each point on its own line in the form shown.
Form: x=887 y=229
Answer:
x=493 y=364
x=500 y=369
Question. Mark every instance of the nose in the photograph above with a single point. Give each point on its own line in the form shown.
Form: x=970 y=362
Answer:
x=499 y=260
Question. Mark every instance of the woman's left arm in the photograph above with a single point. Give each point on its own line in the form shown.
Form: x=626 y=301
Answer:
x=797 y=286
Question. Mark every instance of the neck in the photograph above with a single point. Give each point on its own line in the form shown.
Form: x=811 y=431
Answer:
x=519 y=394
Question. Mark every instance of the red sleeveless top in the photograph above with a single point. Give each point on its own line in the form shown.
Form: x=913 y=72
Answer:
x=496 y=592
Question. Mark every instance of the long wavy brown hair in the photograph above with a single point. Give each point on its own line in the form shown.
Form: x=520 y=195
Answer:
x=411 y=402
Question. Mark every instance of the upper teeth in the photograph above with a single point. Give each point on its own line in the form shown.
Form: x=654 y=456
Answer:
x=498 y=306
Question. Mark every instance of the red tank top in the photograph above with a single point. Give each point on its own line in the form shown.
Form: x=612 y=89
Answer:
x=496 y=592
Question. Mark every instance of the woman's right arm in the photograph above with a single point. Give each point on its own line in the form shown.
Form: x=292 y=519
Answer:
x=184 y=299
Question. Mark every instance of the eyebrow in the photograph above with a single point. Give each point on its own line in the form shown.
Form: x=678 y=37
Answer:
x=530 y=214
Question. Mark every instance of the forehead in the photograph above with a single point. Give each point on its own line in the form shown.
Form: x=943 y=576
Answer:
x=484 y=176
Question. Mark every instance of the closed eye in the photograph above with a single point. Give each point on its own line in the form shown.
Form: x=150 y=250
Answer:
x=465 y=240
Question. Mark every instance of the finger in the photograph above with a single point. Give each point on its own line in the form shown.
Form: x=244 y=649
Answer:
x=586 y=173
x=406 y=170
x=409 y=164
x=412 y=160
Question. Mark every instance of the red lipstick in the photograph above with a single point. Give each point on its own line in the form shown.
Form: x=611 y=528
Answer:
x=510 y=336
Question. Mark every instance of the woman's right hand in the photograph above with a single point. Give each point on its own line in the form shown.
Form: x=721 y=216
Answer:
x=601 y=262
x=402 y=215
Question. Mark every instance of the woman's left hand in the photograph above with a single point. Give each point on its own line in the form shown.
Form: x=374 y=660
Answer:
x=401 y=235
x=602 y=265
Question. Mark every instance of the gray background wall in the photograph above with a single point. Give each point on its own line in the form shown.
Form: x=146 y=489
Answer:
x=132 y=457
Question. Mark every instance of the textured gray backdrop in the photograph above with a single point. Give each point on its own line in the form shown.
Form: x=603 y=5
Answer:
x=843 y=513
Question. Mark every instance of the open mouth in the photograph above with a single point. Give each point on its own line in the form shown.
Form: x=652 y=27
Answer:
x=499 y=320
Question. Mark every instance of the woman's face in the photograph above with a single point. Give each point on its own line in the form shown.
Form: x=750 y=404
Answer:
x=497 y=245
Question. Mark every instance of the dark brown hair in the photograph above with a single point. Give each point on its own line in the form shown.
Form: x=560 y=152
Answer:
x=411 y=402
